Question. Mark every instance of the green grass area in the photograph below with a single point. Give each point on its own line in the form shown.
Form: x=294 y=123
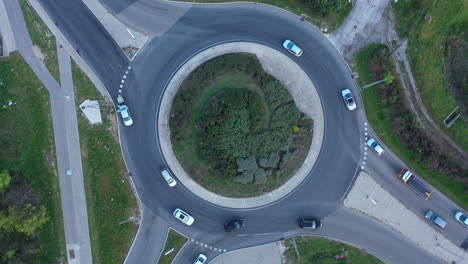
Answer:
x=108 y=193
x=41 y=37
x=431 y=27
x=377 y=115
x=314 y=250
x=26 y=138
x=174 y=240
x=325 y=13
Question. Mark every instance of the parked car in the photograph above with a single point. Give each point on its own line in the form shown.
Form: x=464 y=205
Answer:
x=433 y=217
x=348 y=99
x=168 y=177
x=201 y=259
x=125 y=113
x=461 y=217
x=293 y=48
x=183 y=216
x=233 y=225
x=309 y=223
x=375 y=146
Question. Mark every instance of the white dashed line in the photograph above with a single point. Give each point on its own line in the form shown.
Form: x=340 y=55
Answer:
x=129 y=67
x=120 y=90
x=125 y=76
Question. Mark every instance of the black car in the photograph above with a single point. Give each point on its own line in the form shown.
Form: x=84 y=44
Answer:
x=233 y=225
x=309 y=223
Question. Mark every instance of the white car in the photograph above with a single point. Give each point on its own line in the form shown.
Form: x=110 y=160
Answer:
x=201 y=259
x=183 y=216
x=293 y=48
x=168 y=178
x=461 y=217
x=125 y=113
x=348 y=99
x=375 y=146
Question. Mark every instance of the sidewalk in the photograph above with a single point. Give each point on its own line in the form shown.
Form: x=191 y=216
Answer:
x=265 y=254
x=369 y=198
x=66 y=138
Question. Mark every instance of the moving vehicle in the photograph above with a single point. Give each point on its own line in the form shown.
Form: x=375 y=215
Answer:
x=183 y=216
x=375 y=146
x=348 y=99
x=433 y=217
x=309 y=223
x=168 y=177
x=201 y=259
x=461 y=217
x=233 y=225
x=407 y=177
x=293 y=48
x=124 y=112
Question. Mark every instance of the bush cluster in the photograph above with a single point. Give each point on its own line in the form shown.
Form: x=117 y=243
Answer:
x=407 y=127
x=237 y=124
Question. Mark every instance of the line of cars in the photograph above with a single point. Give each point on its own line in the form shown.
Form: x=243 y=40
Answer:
x=238 y=223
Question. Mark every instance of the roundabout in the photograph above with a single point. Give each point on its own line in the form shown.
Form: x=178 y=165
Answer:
x=277 y=65
x=321 y=185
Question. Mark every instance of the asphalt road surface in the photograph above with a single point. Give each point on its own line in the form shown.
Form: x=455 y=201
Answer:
x=320 y=195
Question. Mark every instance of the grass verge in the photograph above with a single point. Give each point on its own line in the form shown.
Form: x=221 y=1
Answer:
x=26 y=139
x=435 y=28
x=377 y=114
x=314 y=250
x=108 y=193
x=42 y=39
x=174 y=240
x=327 y=14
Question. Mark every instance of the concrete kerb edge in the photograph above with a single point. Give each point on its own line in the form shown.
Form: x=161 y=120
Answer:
x=167 y=235
x=61 y=38
x=167 y=151
x=138 y=51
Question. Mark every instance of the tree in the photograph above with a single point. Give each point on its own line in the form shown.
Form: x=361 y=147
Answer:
x=4 y=181
x=25 y=219
x=388 y=79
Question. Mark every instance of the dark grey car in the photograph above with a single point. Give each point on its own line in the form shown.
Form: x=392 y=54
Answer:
x=309 y=223
x=233 y=225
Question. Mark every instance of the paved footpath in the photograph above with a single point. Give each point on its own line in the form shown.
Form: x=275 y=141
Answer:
x=67 y=141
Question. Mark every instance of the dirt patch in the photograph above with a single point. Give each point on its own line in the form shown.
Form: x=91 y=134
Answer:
x=37 y=50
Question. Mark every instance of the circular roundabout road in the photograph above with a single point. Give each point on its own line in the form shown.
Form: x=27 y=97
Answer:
x=201 y=28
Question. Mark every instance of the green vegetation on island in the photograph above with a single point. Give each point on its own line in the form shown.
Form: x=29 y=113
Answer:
x=388 y=113
x=236 y=130
x=31 y=226
x=438 y=47
x=175 y=241
x=109 y=197
x=314 y=250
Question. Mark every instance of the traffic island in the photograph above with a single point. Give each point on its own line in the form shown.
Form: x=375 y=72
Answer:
x=301 y=90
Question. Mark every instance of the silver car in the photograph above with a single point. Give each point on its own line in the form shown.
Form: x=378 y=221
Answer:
x=461 y=217
x=201 y=259
x=434 y=218
x=375 y=146
x=348 y=99
x=168 y=178
x=293 y=48
x=183 y=216
x=125 y=113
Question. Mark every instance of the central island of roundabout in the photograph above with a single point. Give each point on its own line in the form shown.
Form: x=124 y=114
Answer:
x=240 y=125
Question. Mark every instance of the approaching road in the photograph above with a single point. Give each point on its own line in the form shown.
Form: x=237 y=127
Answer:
x=320 y=195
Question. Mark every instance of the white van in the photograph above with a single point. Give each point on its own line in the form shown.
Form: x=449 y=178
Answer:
x=168 y=177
